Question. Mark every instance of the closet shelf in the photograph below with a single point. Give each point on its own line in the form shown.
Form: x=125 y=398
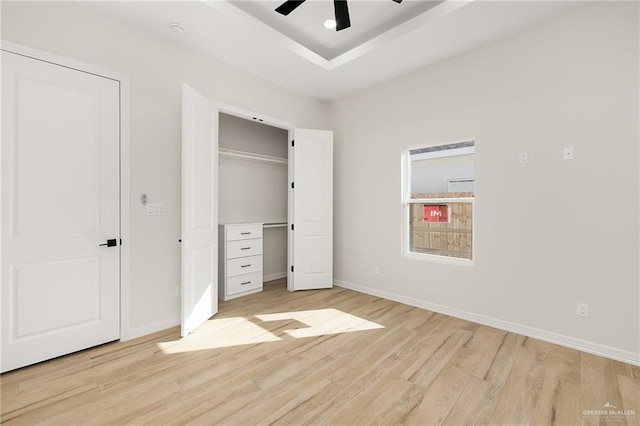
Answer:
x=251 y=156
x=274 y=224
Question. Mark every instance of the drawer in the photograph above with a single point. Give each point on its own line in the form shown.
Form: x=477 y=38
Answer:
x=244 y=232
x=243 y=248
x=243 y=283
x=244 y=265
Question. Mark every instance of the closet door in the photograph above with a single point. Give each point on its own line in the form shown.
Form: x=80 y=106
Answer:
x=199 y=210
x=312 y=154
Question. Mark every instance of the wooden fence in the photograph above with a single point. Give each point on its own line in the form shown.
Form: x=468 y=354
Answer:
x=452 y=238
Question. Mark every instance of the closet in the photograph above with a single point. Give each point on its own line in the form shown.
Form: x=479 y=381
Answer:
x=252 y=193
x=282 y=180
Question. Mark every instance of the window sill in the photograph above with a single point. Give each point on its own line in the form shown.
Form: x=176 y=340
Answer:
x=437 y=259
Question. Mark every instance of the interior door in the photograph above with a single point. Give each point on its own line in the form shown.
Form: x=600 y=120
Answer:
x=312 y=166
x=199 y=209
x=60 y=205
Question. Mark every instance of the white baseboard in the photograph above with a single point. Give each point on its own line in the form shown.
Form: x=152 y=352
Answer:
x=275 y=276
x=547 y=336
x=149 y=329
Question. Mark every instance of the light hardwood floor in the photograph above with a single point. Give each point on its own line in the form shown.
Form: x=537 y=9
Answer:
x=324 y=357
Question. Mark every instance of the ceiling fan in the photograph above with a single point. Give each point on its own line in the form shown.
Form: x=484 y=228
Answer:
x=340 y=7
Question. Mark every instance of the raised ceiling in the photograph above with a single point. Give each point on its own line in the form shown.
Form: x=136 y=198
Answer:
x=386 y=39
x=305 y=25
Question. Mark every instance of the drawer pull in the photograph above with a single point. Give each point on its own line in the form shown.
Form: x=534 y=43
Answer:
x=245 y=233
x=245 y=248
x=248 y=282
x=245 y=266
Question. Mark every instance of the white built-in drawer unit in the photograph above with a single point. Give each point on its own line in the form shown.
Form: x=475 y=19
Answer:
x=240 y=260
x=243 y=248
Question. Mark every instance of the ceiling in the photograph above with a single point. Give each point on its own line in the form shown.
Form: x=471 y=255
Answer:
x=369 y=19
x=385 y=40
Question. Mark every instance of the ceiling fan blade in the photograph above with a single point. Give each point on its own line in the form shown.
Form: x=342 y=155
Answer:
x=342 y=14
x=288 y=6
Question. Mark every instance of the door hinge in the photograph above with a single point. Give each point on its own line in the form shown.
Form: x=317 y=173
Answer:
x=292 y=226
x=291 y=268
x=120 y=241
x=293 y=143
x=293 y=185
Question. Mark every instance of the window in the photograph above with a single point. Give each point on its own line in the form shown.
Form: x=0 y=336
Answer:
x=438 y=202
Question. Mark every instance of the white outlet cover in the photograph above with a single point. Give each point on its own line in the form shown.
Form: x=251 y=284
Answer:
x=567 y=153
x=523 y=158
x=583 y=310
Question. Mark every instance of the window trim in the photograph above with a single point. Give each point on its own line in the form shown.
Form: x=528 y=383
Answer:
x=406 y=202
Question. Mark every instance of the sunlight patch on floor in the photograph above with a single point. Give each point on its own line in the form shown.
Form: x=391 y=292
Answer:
x=220 y=333
x=321 y=322
x=228 y=332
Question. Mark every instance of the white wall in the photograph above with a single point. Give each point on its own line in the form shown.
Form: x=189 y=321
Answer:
x=156 y=70
x=255 y=191
x=540 y=244
x=252 y=191
x=252 y=136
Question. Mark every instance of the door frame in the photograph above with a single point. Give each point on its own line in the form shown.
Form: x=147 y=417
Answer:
x=123 y=80
x=290 y=128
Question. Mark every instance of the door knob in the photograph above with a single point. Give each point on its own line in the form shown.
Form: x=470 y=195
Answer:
x=110 y=243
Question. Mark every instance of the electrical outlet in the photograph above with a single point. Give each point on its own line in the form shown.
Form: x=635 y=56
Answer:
x=523 y=158
x=583 y=310
x=178 y=292
x=567 y=153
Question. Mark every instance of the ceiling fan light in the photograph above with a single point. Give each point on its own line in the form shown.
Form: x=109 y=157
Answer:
x=330 y=24
x=340 y=7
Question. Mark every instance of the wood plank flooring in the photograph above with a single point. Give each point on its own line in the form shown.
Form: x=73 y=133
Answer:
x=324 y=357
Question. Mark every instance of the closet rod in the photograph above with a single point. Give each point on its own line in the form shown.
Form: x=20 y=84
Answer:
x=274 y=224
x=251 y=156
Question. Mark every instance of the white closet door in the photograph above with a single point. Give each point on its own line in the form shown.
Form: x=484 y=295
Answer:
x=199 y=210
x=60 y=202
x=312 y=210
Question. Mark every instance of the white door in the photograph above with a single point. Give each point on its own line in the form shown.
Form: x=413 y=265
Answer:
x=312 y=261
x=60 y=202
x=199 y=209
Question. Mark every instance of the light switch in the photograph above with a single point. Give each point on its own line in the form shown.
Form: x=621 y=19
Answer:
x=155 y=209
x=567 y=153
